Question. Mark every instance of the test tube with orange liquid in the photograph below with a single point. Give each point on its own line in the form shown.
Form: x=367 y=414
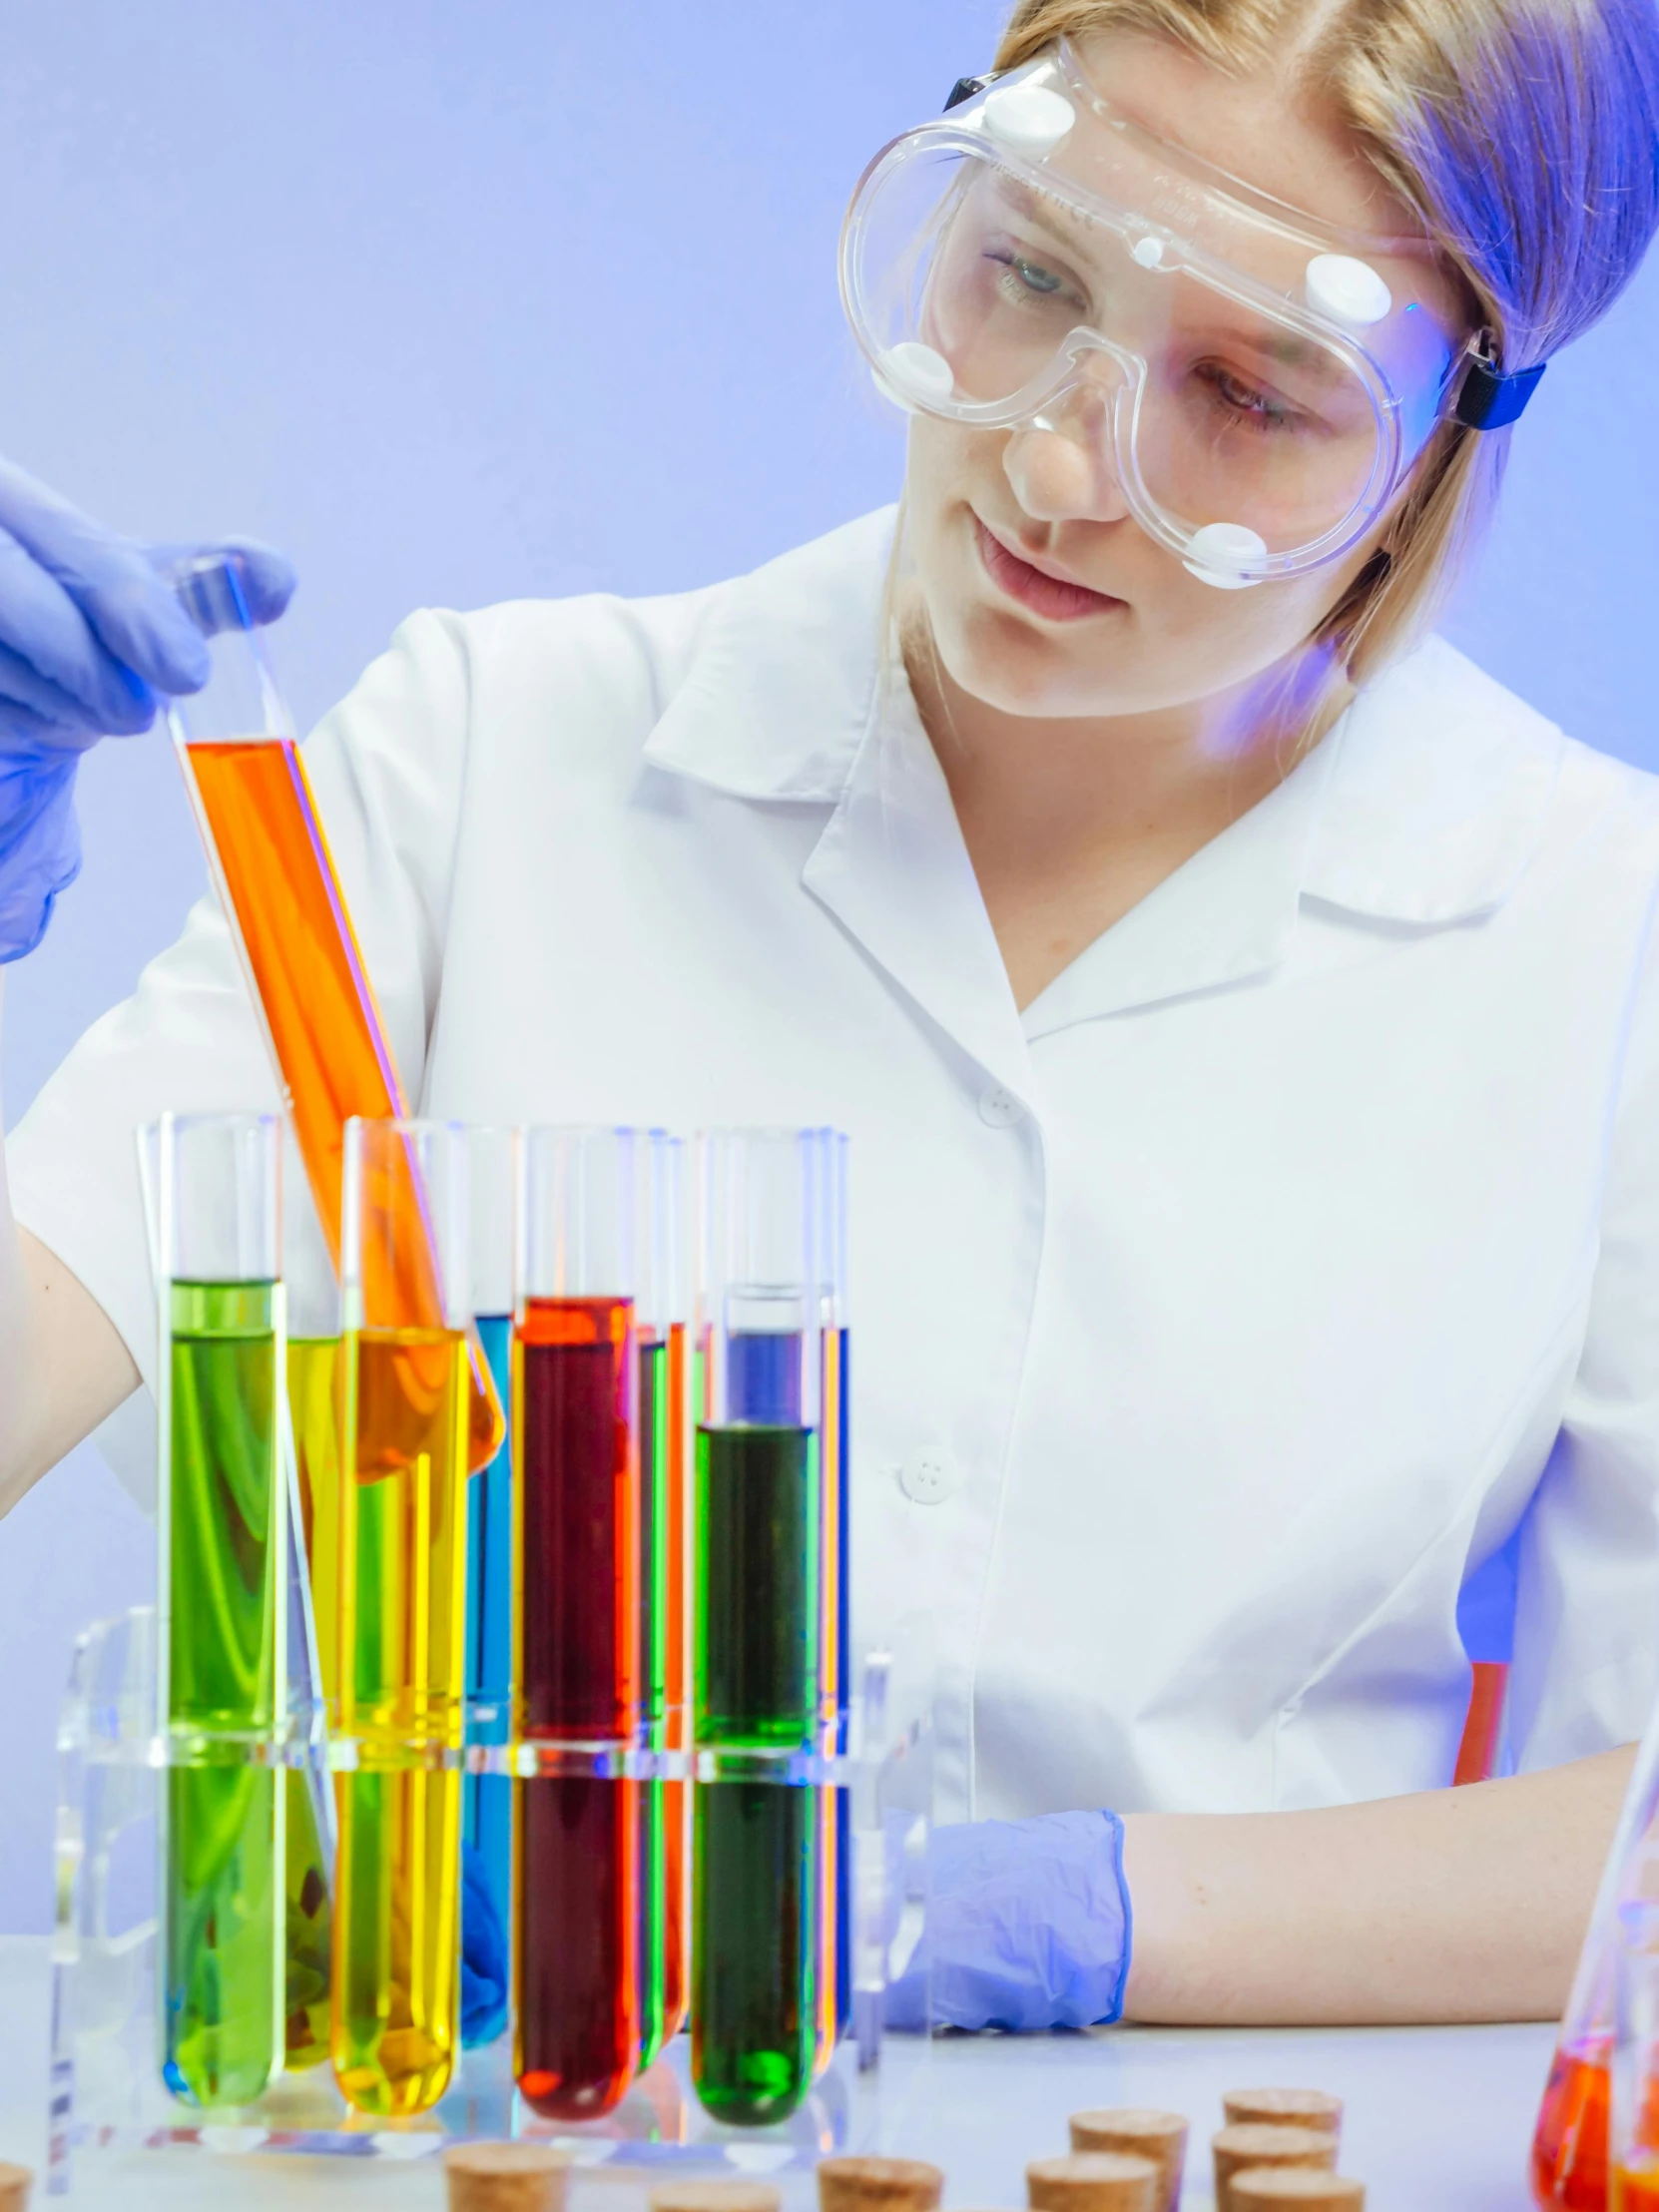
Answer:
x=282 y=897
x=1573 y=2165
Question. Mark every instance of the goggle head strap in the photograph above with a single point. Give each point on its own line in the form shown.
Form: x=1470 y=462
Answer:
x=968 y=88
x=1487 y=400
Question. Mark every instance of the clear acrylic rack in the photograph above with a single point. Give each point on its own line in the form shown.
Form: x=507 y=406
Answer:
x=107 y=2094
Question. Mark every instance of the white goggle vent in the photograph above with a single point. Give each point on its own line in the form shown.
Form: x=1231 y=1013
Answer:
x=1028 y=119
x=1347 y=290
x=1220 y=552
x=912 y=374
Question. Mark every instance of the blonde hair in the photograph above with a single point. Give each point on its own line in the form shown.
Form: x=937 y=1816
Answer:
x=1524 y=137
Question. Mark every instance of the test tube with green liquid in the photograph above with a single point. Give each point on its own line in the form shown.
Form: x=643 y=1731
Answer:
x=664 y=1316
x=758 y=1626
x=223 y=1603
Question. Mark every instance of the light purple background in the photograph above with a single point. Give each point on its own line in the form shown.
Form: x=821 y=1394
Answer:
x=458 y=304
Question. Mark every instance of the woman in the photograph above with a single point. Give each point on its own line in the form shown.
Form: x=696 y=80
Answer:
x=1241 y=1013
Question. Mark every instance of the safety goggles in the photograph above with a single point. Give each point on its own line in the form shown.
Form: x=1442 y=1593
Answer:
x=1258 y=385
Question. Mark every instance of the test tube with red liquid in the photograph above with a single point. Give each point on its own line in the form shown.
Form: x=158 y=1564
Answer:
x=282 y=901
x=576 y=1521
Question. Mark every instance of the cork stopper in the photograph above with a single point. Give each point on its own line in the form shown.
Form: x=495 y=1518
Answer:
x=1238 y=2148
x=1296 y=2189
x=14 y=2188
x=878 y=2185
x=715 y=2196
x=502 y=2177
x=1282 y=2108
x=1140 y=2132
x=1092 y=2181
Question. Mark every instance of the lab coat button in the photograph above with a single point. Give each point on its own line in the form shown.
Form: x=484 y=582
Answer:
x=999 y=1108
x=928 y=1475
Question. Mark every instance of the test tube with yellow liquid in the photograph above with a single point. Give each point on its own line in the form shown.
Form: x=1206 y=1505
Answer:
x=401 y=1650
x=834 y=1838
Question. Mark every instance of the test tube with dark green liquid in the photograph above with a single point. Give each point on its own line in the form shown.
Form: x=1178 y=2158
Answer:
x=223 y=1603
x=758 y=1626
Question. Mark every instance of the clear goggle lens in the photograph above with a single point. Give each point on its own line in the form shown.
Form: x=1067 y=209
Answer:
x=1240 y=422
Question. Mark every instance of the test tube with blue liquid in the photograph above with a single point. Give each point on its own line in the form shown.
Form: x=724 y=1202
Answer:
x=487 y=1817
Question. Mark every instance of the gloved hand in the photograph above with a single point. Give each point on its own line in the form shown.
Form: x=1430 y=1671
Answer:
x=483 y=1955
x=1027 y=1926
x=90 y=634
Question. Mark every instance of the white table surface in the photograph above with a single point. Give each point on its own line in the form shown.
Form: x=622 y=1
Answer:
x=1438 y=2119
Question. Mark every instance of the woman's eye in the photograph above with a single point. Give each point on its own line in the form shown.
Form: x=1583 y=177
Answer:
x=1029 y=280
x=1247 y=403
x=1034 y=276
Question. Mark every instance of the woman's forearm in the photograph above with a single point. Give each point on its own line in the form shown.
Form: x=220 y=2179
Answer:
x=63 y=1365
x=1456 y=1905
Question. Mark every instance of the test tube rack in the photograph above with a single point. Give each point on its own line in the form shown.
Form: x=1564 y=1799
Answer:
x=105 y=2089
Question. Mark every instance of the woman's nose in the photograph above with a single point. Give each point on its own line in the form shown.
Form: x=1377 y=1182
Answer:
x=1061 y=469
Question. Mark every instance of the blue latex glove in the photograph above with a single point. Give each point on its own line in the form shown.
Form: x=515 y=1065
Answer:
x=90 y=636
x=1027 y=1926
x=483 y=1955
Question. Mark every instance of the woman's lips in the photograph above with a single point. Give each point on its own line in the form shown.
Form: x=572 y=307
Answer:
x=1052 y=597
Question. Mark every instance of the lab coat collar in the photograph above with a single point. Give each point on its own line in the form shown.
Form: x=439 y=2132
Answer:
x=1438 y=795
x=1421 y=808
x=791 y=697
x=892 y=868
x=1225 y=915
x=785 y=676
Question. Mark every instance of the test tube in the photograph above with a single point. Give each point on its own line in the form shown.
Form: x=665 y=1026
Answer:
x=1633 y=2145
x=835 y=1840
x=315 y=1379
x=223 y=1602
x=758 y=1619
x=401 y=1642
x=577 y=1642
x=282 y=895
x=664 y=1311
x=489 y=1801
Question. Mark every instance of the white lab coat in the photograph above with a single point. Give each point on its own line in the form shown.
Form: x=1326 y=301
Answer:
x=1213 y=1318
